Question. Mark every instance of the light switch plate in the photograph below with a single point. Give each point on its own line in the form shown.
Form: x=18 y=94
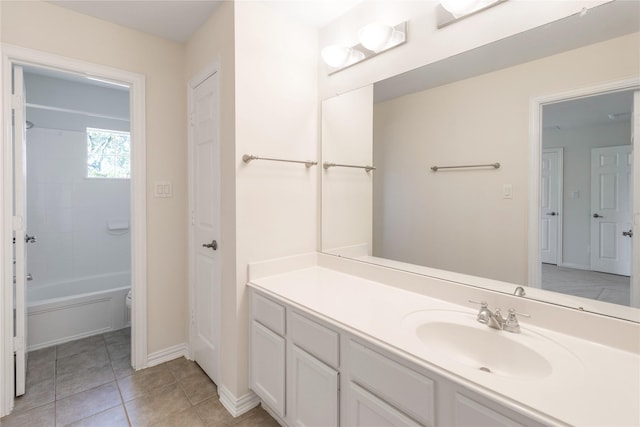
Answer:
x=507 y=191
x=162 y=189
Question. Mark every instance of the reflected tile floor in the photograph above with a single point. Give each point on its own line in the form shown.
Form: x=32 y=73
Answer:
x=587 y=284
x=90 y=382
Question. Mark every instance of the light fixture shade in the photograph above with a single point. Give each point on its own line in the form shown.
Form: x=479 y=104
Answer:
x=335 y=55
x=375 y=36
x=460 y=8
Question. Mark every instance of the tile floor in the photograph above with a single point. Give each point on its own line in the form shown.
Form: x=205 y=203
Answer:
x=90 y=382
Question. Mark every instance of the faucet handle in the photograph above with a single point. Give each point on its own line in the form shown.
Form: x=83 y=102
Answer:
x=483 y=304
x=511 y=310
x=511 y=322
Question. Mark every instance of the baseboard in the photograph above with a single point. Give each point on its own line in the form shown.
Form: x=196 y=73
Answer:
x=167 y=354
x=237 y=405
x=63 y=340
x=273 y=414
x=574 y=266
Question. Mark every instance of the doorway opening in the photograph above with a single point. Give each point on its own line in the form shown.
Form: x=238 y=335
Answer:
x=74 y=215
x=585 y=197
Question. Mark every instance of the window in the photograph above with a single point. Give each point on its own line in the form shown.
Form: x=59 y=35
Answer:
x=108 y=154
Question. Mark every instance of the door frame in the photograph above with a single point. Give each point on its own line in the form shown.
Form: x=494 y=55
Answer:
x=560 y=192
x=11 y=55
x=204 y=74
x=535 y=154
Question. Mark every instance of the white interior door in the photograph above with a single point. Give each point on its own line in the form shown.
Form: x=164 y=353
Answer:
x=19 y=228
x=611 y=209
x=205 y=220
x=550 y=202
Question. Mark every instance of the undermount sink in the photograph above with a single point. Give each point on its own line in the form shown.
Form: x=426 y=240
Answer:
x=456 y=336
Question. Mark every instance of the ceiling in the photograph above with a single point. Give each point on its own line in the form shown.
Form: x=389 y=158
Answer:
x=589 y=111
x=177 y=20
x=601 y=23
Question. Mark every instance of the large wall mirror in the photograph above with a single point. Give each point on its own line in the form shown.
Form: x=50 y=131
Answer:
x=554 y=107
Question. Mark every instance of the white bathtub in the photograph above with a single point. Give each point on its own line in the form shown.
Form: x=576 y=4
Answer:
x=62 y=312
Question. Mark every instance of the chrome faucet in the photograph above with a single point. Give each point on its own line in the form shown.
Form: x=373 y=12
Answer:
x=495 y=319
x=492 y=320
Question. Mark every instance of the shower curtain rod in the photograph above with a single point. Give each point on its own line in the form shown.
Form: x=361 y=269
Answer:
x=70 y=111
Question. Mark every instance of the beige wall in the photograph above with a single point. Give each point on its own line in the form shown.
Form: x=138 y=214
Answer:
x=214 y=41
x=276 y=116
x=45 y=27
x=347 y=138
x=577 y=144
x=459 y=221
x=268 y=104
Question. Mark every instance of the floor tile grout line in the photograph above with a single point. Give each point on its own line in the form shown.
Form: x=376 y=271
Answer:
x=124 y=407
x=55 y=387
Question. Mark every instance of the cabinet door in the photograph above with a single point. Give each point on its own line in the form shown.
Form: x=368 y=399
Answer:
x=313 y=392
x=363 y=409
x=268 y=367
x=469 y=413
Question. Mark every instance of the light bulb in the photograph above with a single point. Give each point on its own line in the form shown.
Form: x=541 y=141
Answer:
x=335 y=55
x=375 y=36
x=460 y=8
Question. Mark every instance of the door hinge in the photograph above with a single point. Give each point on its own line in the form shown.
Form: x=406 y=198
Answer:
x=193 y=317
x=18 y=344
x=193 y=218
x=192 y=119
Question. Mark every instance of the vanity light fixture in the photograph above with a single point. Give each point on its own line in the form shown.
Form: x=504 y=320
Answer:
x=337 y=56
x=450 y=11
x=374 y=39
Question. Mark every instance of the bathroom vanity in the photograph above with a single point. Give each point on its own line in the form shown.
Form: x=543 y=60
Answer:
x=329 y=346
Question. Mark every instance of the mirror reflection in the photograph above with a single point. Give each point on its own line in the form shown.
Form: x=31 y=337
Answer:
x=586 y=199
x=475 y=109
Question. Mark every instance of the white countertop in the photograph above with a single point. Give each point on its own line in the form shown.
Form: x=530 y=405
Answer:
x=591 y=384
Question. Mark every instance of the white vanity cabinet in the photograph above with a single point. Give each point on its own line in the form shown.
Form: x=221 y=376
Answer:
x=294 y=366
x=312 y=373
x=384 y=389
x=268 y=352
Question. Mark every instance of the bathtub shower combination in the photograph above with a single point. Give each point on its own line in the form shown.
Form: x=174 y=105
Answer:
x=61 y=312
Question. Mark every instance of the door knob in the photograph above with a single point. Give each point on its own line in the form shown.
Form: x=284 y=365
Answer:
x=29 y=239
x=552 y=213
x=628 y=233
x=597 y=216
x=213 y=245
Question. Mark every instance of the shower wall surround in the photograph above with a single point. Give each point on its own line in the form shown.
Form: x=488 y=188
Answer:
x=68 y=213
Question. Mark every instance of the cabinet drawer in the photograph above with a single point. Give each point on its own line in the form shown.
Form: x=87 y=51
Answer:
x=268 y=313
x=409 y=391
x=316 y=339
x=468 y=412
x=365 y=410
